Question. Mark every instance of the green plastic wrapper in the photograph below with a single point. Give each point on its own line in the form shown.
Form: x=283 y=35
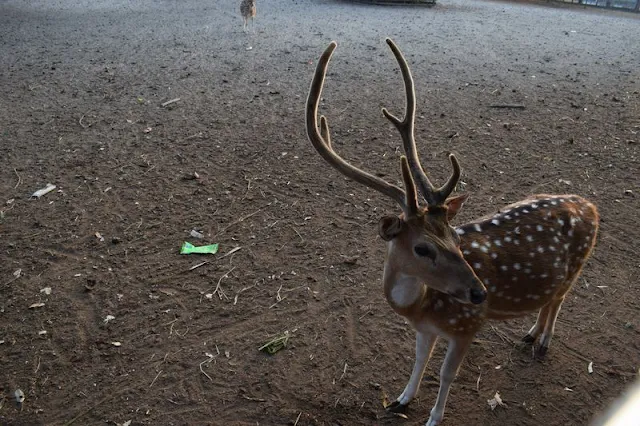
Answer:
x=188 y=248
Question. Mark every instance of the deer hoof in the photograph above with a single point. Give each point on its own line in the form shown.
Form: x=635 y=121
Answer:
x=397 y=407
x=541 y=351
x=528 y=339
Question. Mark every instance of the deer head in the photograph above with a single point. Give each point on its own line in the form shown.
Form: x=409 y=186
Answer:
x=422 y=246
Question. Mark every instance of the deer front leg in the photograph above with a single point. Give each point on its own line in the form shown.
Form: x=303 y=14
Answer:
x=458 y=348
x=424 y=345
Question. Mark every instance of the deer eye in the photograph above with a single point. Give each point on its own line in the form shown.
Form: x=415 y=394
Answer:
x=425 y=250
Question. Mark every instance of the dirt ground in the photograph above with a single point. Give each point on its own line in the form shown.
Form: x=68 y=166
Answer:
x=81 y=88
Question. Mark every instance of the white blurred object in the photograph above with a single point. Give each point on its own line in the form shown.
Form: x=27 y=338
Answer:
x=40 y=192
x=625 y=411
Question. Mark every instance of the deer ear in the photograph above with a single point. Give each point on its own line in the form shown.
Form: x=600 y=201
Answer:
x=389 y=227
x=454 y=204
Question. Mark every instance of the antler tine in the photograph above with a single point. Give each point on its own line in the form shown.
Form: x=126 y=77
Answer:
x=322 y=143
x=445 y=190
x=406 y=127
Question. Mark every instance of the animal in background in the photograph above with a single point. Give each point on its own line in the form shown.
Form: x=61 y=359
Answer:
x=248 y=11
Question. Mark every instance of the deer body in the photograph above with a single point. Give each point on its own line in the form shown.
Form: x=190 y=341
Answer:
x=447 y=282
x=527 y=254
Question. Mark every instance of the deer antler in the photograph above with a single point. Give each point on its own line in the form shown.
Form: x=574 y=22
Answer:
x=406 y=127
x=322 y=143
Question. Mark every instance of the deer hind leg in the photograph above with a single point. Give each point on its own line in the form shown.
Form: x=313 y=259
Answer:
x=456 y=352
x=547 y=333
x=424 y=346
x=537 y=328
x=542 y=330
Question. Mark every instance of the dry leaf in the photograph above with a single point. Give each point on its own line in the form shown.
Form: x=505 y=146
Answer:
x=495 y=401
x=46 y=290
x=385 y=401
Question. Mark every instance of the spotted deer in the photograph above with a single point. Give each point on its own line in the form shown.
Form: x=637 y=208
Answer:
x=447 y=281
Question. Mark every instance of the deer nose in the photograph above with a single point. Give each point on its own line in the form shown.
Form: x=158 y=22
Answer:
x=478 y=295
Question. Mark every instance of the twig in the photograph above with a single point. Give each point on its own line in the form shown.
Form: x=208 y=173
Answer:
x=171 y=324
x=155 y=378
x=12 y=280
x=505 y=106
x=183 y=334
x=241 y=219
x=235 y=299
x=502 y=336
x=297 y=419
x=254 y=399
x=296 y=231
x=365 y=314
x=19 y=178
x=198 y=265
x=344 y=371
x=207 y=361
x=170 y=102
x=196 y=135
x=277 y=302
x=218 y=289
x=80 y=121
x=230 y=252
